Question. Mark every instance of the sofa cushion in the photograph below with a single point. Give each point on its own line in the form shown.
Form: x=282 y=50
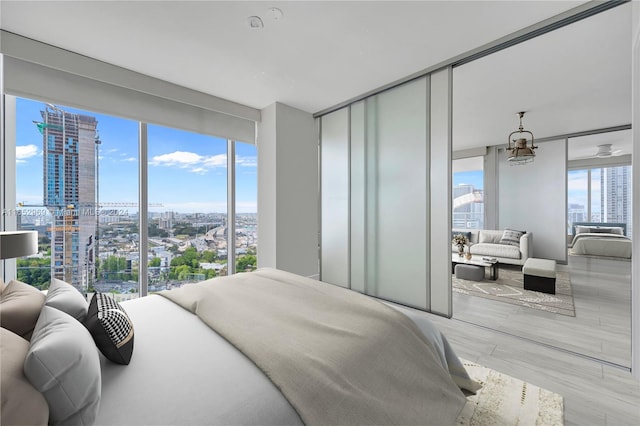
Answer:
x=511 y=237
x=495 y=250
x=489 y=236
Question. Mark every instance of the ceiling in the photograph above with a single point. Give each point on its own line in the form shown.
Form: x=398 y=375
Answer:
x=319 y=54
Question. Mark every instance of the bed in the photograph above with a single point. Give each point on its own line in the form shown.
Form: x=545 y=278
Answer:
x=266 y=347
x=601 y=240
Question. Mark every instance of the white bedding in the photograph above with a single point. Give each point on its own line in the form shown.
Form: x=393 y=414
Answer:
x=599 y=244
x=182 y=372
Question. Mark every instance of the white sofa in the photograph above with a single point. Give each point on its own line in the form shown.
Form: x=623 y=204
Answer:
x=486 y=243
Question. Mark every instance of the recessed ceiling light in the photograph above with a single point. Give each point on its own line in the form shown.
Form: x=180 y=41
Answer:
x=275 y=13
x=255 y=22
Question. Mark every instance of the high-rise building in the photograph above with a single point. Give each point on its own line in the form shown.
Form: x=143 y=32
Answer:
x=468 y=207
x=69 y=154
x=615 y=194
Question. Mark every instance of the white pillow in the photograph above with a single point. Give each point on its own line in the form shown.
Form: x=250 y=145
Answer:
x=582 y=230
x=67 y=298
x=64 y=365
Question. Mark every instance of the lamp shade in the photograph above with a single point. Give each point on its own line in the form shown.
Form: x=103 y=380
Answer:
x=18 y=243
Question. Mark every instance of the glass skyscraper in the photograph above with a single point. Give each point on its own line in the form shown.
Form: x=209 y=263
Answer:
x=69 y=160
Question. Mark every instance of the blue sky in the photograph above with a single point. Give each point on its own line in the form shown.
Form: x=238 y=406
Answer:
x=187 y=171
x=474 y=177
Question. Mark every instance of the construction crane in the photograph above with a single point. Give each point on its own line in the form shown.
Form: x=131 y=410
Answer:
x=101 y=204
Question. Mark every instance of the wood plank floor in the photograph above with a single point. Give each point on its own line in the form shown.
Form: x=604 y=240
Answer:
x=595 y=392
x=602 y=325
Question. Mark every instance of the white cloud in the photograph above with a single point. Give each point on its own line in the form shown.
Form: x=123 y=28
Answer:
x=247 y=161
x=196 y=163
x=25 y=151
x=177 y=158
x=130 y=159
x=214 y=161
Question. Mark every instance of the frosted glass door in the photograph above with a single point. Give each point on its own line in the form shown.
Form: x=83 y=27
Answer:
x=335 y=198
x=396 y=215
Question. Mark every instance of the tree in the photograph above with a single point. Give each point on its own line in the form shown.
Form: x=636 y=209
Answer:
x=155 y=262
x=246 y=262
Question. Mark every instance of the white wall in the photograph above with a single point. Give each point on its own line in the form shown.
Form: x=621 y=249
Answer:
x=532 y=197
x=287 y=190
x=635 y=120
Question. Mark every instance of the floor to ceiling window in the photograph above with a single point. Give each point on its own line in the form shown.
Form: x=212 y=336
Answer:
x=77 y=185
x=468 y=193
x=600 y=195
x=187 y=207
x=246 y=238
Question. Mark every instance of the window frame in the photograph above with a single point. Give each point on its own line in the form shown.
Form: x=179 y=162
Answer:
x=8 y=201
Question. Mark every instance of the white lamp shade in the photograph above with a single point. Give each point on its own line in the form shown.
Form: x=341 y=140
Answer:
x=18 y=243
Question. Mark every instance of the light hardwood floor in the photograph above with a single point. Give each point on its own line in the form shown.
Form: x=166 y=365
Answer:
x=595 y=392
x=602 y=325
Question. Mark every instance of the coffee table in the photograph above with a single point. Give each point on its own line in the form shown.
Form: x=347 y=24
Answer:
x=477 y=261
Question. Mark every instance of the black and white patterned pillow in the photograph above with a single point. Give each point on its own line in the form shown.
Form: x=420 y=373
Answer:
x=511 y=237
x=110 y=328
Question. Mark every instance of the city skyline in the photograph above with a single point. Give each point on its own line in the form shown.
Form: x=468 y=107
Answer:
x=177 y=160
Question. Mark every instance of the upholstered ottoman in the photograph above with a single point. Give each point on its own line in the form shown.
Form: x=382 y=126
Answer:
x=540 y=275
x=469 y=272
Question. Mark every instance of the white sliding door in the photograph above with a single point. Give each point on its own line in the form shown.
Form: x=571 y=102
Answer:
x=335 y=198
x=396 y=193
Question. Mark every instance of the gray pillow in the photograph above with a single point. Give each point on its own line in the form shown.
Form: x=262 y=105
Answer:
x=606 y=230
x=20 y=305
x=22 y=404
x=67 y=298
x=64 y=365
x=511 y=237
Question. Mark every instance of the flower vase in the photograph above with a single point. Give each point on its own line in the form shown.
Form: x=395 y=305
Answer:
x=461 y=251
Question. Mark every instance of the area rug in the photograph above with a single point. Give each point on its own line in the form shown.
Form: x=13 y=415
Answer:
x=509 y=288
x=505 y=400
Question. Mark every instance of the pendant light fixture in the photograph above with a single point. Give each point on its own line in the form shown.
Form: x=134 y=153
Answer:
x=519 y=151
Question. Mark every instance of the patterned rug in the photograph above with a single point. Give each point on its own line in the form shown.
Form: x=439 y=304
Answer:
x=509 y=288
x=505 y=400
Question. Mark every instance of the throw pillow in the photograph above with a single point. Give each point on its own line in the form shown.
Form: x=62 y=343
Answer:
x=22 y=404
x=67 y=298
x=511 y=237
x=20 y=305
x=64 y=365
x=111 y=328
x=582 y=230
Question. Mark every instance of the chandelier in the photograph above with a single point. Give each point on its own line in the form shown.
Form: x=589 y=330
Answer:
x=519 y=152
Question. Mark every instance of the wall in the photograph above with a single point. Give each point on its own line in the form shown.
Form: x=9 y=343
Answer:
x=532 y=197
x=287 y=190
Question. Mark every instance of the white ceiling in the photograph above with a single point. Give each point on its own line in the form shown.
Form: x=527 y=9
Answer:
x=322 y=53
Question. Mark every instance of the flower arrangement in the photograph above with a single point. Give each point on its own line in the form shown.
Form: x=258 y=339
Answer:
x=460 y=241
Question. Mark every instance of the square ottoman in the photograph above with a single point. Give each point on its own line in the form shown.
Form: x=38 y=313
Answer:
x=469 y=272
x=540 y=275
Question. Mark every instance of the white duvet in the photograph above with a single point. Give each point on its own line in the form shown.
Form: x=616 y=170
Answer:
x=184 y=373
x=597 y=244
